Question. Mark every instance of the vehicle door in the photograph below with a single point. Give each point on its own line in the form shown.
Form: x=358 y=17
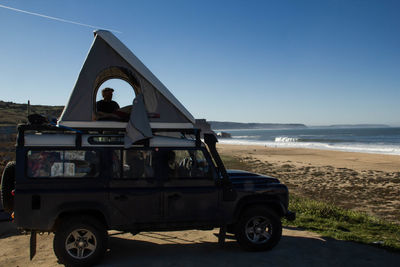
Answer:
x=190 y=190
x=135 y=191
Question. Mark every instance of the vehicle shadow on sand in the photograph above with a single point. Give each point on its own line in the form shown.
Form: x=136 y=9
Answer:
x=200 y=248
x=7 y=229
x=293 y=250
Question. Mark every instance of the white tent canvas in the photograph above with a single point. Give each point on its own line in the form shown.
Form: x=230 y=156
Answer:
x=109 y=58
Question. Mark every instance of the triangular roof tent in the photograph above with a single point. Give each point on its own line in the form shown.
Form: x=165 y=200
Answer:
x=109 y=58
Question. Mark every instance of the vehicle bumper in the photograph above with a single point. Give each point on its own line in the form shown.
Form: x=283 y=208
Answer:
x=290 y=216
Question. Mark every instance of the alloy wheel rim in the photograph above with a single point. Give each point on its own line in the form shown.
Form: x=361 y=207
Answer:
x=81 y=243
x=258 y=230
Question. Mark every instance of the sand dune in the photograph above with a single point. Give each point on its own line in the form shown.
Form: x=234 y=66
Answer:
x=360 y=181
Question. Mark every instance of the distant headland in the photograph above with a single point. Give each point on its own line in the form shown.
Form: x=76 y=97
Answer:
x=13 y=113
x=353 y=126
x=220 y=125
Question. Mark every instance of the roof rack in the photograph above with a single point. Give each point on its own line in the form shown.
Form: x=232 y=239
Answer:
x=47 y=128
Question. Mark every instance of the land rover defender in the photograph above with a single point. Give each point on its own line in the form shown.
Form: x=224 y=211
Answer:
x=80 y=184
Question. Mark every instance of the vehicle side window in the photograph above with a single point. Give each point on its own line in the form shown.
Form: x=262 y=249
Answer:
x=63 y=163
x=138 y=164
x=188 y=163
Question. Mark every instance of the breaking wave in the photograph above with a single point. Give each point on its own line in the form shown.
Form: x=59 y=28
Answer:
x=379 y=141
x=285 y=139
x=246 y=137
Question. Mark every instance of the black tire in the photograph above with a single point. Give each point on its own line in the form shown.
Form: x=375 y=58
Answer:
x=7 y=186
x=258 y=229
x=80 y=241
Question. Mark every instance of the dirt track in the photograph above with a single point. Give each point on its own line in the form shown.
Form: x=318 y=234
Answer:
x=200 y=248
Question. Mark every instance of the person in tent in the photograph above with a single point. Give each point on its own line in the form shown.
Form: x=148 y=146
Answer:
x=107 y=105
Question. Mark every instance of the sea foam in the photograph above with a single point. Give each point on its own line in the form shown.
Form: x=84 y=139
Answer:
x=292 y=143
x=285 y=139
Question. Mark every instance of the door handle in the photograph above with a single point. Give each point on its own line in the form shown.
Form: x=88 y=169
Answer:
x=175 y=196
x=121 y=197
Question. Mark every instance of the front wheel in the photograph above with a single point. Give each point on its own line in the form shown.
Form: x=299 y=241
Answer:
x=258 y=229
x=80 y=241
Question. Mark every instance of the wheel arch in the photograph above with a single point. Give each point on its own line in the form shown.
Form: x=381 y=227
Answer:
x=94 y=213
x=269 y=202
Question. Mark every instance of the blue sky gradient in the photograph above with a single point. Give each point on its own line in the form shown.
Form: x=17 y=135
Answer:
x=312 y=62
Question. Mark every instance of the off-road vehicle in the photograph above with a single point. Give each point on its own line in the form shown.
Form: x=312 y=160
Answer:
x=86 y=175
x=81 y=184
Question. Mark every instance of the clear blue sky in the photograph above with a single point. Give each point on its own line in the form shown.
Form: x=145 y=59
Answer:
x=312 y=62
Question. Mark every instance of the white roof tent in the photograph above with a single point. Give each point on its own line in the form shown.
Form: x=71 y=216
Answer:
x=109 y=58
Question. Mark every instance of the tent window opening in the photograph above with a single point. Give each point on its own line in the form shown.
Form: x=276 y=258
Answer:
x=114 y=100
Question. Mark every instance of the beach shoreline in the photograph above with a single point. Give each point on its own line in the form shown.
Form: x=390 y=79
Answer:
x=385 y=140
x=319 y=157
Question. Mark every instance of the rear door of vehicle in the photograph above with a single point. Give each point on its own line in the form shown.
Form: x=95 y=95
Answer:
x=190 y=192
x=135 y=192
x=53 y=180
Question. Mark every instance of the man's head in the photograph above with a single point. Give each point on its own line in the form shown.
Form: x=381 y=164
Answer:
x=107 y=93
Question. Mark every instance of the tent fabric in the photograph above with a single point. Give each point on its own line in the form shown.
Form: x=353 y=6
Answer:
x=138 y=127
x=121 y=125
x=109 y=58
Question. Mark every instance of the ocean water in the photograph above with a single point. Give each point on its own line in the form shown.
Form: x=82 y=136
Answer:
x=367 y=140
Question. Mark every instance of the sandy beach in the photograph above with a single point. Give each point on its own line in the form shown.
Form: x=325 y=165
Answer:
x=360 y=181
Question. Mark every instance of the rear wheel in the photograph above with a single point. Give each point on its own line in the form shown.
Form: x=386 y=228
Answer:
x=7 y=186
x=258 y=229
x=80 y=241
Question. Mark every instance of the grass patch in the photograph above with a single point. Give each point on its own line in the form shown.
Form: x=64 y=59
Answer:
x=333 y=221
x=343 y=224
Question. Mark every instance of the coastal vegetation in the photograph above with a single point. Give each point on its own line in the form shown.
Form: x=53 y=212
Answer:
x=12 y=113
x=329 y=219
x=332 y=221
